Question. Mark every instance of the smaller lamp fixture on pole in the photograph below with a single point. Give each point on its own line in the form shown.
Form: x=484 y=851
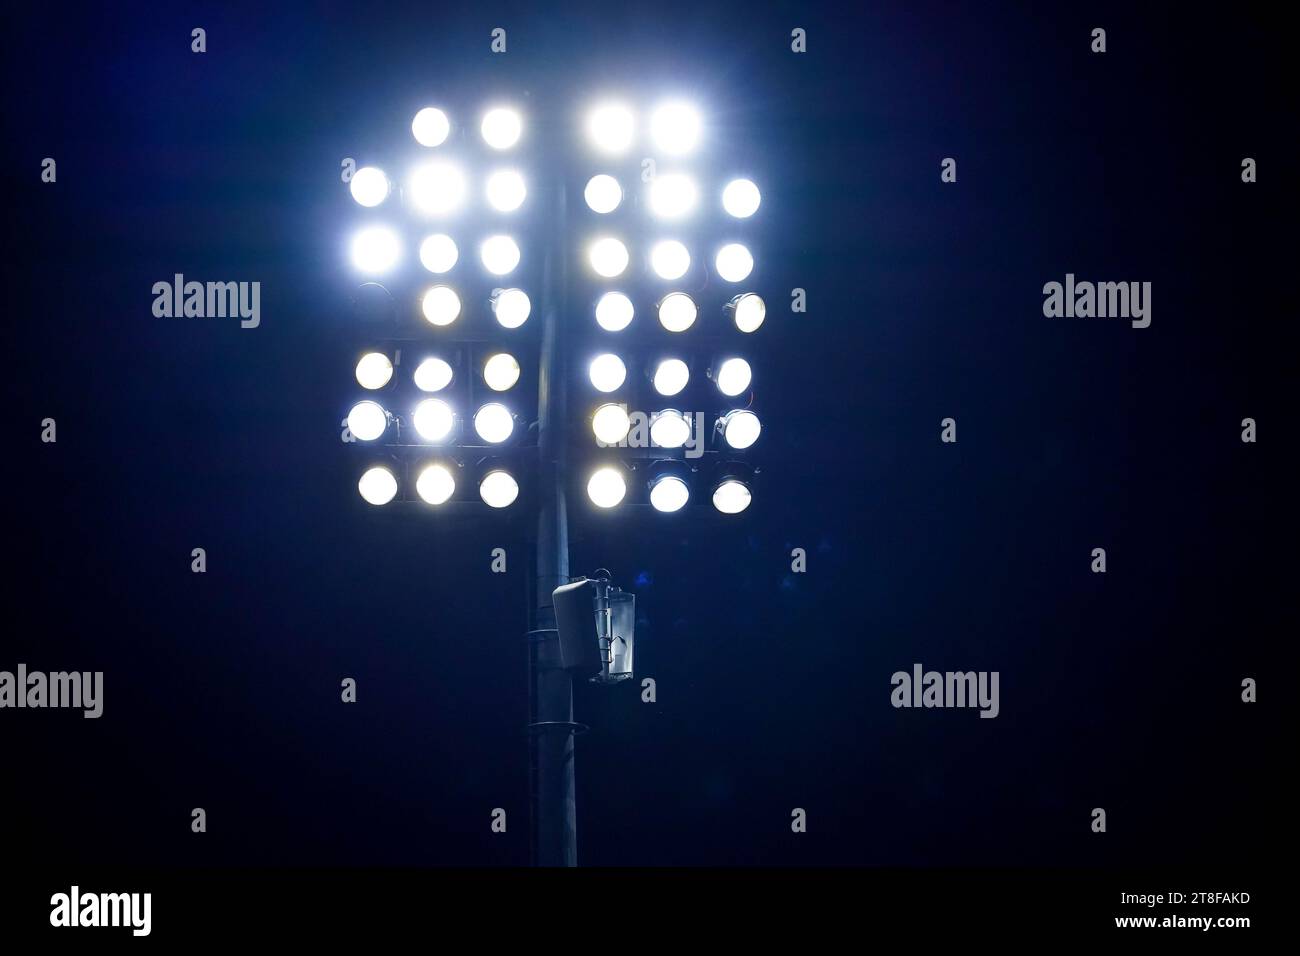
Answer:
x=597 y=623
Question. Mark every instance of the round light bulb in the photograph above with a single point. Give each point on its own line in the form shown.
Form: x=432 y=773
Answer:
x=603 y=194
x=669 y=259
x=501 y=371
x=606 y=487
x=511 y=307
x=500 y=254
x=731 y=497
x=734 y=263
x=430 y=127
x=377 y=486
x=433 y=375
x=367 y=421
x=610 y=127
x=494 y=423
x=669 y=494
x=733 y=377
x=741 y=428
x=374 y=370
x=369 y=186
x=670 y=429
x=740 y=198
x=433 y=419
x=438 y=253
x=614 y=312
x=675 y=128
x=375 y=249
x=506 y=190
x=672 y=196
x=607 y=372
x=671 y=376
x=498 y=489
x=435 y=484
x=441 y=305
x=501 y=128
x=610 y=424
x=608 y=257
x=677 y=312
x=750 y=312
x=436 y=188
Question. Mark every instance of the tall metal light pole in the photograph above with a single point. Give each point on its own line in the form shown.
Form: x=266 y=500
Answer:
x=551 y=727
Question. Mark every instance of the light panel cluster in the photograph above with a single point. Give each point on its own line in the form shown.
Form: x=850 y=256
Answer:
x=669 y=259
x=435 y=483
x=447 y=218
x=660 y=246
x=659 y=241
x=677 y=311
x=668 y=491
x=433 y=417
x=376 y=251
x=440 y=189
x=675 y=127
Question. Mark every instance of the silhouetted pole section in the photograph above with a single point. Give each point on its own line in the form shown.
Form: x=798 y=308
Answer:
x=551 y=727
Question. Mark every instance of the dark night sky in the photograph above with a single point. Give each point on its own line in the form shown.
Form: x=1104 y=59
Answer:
x=1118 y=690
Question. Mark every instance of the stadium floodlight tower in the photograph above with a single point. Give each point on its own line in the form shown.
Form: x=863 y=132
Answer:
x=641 y=276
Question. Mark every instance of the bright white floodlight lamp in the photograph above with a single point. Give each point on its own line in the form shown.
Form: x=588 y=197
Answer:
x=494 y=423
x=675 y=128
x=740 y=428
x=501 y=371
x=614 y=312
x=435 y=484
x=610 y=424
x=677 y=312
x=731 y=497
x=672 y=196
x=374 y=370
x=607 y=372
x=608 y=257
x=375 y=249
x=749 y=311
x=369 y=186
x=437 y=188
x=670 y=429
x=498 y=489
x=367 y=421
x=377 y=486
x=671 y=376
x=610 y=127
x=740 y=198
x=606 y=487
x=433 y=419
x=441 y=305
x=734 y=263
x=506 y=190
x=511 y=307
x=433 y=375
x=438 y=253
x=501 y=128
x=733 y=377
x=500 y=254
x=430 y=127
x=669 y=494
x=603 y=193
x=669 y=259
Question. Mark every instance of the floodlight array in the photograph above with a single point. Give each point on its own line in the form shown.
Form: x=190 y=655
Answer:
x=665 y=254
x=439 y=409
